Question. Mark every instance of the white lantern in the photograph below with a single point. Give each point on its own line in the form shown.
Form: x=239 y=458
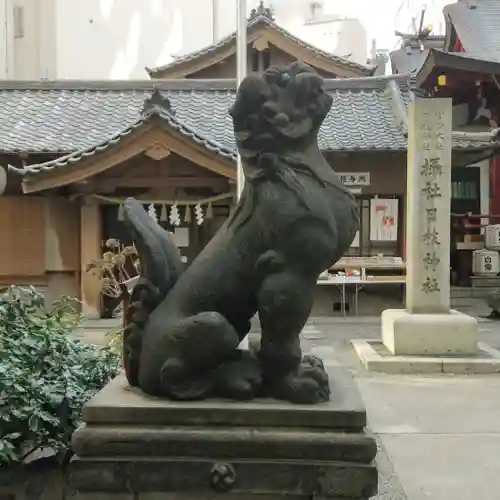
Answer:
x=492 y=237
x=485 y=263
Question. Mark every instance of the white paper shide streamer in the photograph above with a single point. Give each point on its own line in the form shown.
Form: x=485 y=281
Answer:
x=198 y=213
x=175 y=216
x=152 y=212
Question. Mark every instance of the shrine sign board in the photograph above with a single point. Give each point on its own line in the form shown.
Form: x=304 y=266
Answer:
x=354 y=178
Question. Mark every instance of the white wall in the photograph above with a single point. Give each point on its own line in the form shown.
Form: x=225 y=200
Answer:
x=30 y=52
x=6 y=47
x=343 y=37
x=117 y=38
x=100 y=39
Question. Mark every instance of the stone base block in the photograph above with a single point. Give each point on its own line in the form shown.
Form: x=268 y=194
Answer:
x=429 y=334
x=376 y=357
x=151 y=448
x=196 y=496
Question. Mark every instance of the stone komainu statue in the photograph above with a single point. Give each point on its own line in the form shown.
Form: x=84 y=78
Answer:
x=493 y=301
x=293 y=220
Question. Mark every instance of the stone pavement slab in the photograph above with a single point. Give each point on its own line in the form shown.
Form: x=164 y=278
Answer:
x=441 y=433
x=446 y=467
x=432 y=404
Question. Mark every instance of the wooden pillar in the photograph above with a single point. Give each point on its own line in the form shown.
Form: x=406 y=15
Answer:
x=495 y=188
x=484 y=189
x=91 y=249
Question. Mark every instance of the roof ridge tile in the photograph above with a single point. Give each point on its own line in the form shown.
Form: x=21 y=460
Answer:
x=254 y=22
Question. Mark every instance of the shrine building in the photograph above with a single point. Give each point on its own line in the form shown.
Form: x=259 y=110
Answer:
x=79 y=148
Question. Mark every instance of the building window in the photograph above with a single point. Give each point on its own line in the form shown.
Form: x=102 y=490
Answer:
x=255 y=60
x=365 y=244
x=266 y=58
x=464 y=190
x=18 y=18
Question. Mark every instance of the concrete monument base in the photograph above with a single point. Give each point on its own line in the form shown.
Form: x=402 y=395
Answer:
x=377 y=358
x=454 y=333
x=428 y=343
x=135 y=446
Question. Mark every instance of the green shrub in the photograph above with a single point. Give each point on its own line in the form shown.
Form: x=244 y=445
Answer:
x=46 y=376
x=114 y=338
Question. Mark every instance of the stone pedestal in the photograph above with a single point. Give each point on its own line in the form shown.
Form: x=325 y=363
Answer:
x=429 y=334
x=131 y=444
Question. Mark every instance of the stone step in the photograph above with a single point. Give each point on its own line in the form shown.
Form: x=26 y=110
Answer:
x=479 y=282
x=458 y=292
x=470 y=293
x=464 y=302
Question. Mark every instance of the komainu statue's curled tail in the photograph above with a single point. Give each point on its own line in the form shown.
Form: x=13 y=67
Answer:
x=160 y=268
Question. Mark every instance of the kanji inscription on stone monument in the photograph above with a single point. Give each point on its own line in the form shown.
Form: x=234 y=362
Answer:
x=429 y=176
x=428 y=326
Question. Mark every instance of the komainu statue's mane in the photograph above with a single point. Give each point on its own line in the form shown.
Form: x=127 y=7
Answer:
x=275 y=116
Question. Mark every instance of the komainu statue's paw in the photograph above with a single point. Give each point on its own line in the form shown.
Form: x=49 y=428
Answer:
x=240 y=379
x=314 y=361
x=308 y=385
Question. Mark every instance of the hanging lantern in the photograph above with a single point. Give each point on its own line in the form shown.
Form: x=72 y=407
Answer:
x=210 y=211
x=187 y=214
x=163 y=213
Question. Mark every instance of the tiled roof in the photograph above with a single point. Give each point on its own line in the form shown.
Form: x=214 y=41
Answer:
x=156 y=110
x=407 y=59
x=81 y=118
x=413 y=52
x=477 y=24
x=231 y=38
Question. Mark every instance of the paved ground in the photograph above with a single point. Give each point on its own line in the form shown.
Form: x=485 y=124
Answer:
x=439 y=436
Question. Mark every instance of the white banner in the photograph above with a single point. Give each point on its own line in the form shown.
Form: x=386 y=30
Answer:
x=384 y=219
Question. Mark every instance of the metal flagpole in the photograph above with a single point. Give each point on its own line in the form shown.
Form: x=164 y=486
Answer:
x=241 y=72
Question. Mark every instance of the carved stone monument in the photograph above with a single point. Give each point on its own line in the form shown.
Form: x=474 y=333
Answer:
x=428 y=336
x=428 y=326
x=293 y=220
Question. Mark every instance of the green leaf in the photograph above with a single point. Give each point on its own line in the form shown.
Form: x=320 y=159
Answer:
x=34 y=423
x=45 y=375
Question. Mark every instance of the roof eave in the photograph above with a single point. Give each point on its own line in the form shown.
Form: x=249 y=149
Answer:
x=450 y=36
x=424 y=73
x=439 y=62
x=34 y=173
